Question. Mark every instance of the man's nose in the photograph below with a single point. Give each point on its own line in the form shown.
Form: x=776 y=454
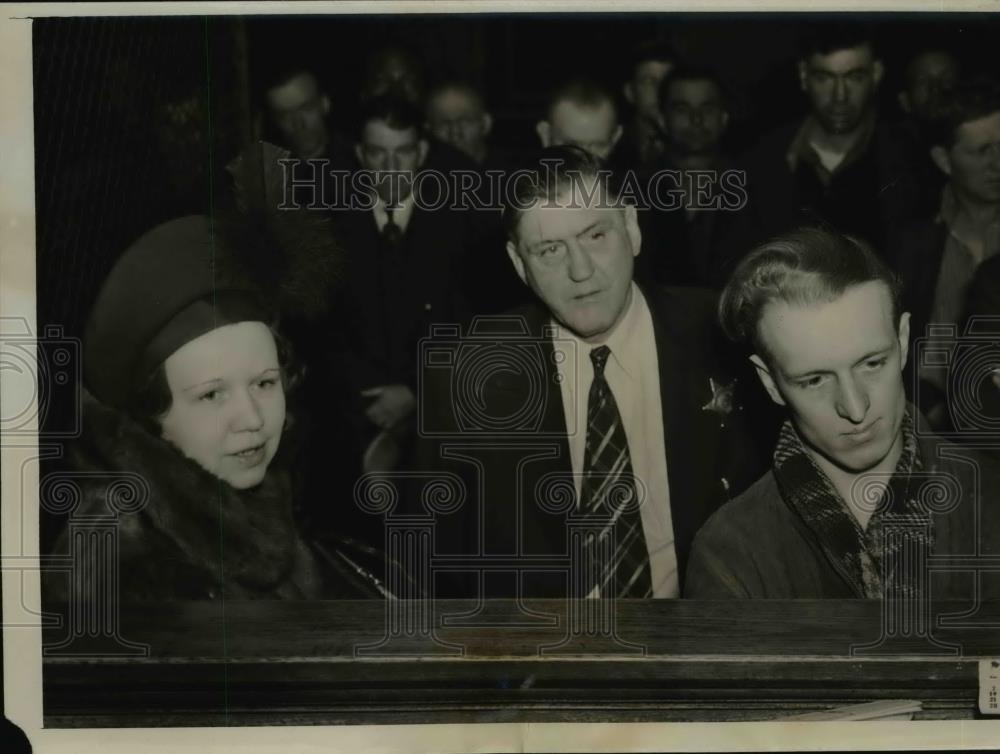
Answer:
x=247 y=416
x=852 y=400
x=580 y=265
x=839 y=90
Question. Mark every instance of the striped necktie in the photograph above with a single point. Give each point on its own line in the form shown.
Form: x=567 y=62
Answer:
x=608 y=493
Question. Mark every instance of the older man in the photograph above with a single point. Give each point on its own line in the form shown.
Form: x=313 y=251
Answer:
x=856 y=479
x=601 y=393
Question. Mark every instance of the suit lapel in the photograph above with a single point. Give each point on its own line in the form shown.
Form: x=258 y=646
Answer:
x=690 y=442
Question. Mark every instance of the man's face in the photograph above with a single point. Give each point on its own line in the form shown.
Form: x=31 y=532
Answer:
x=579 y=261
x=394 y=155
x=841 y=87
x=394 y=73
x=643 y=90
x=694 y=117
x=929 y=77
x=299 y=109
x=837 y=367
x=973 y=162
x=595 y=129
x=457 y=118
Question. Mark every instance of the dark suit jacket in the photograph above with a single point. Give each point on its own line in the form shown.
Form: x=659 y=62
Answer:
x=392 y=298
x=916 y=250
x=503 y=432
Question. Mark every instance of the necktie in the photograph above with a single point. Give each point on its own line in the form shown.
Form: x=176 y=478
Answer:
x=391 y=232
x=608 y=492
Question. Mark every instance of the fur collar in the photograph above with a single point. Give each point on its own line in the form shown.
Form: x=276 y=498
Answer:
x=245 y=539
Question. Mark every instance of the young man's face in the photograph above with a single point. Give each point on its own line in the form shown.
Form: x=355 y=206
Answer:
x=973 y=162
x=299 y=109
x=594 y=129
x=579 y=261
x=837 y=366
x=643 y=90
x=456 y=117
x=841 y=87
x=694 y=116
x=928 y=78
x=394 y=155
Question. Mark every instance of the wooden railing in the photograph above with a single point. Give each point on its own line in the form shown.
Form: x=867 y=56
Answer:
x=255 y=663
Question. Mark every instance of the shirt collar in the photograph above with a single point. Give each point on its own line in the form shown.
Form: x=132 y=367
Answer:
x=623 y=341
x=801 y=149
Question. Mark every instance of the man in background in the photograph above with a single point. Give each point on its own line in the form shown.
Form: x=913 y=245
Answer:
x=581 y=113
x=642 y=143
x=838 y=165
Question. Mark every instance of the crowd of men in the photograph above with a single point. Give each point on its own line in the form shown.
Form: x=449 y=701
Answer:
x=834 y=241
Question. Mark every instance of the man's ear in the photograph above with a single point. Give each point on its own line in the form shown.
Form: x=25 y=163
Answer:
x=324 y=104
x=632 y=228
x=617 y=135
x=764 y=374
x=422 y=148
x=903 y=98
x=629 y=91
x=725 y=118
x=544 y=130
x=487 y=124
x=941 y=158
x=803 y=72
x=358 y=152
x=518 y=263
x=904 y=338
x=878 y=71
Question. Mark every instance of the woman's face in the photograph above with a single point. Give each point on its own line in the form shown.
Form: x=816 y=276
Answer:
x=228 y=403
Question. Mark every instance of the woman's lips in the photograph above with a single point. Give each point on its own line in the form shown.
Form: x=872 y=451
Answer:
x=250 y=456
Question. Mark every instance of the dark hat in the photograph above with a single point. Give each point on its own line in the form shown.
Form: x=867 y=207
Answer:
x=176 y=283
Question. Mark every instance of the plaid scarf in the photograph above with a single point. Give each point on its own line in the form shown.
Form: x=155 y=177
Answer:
x=866 y=558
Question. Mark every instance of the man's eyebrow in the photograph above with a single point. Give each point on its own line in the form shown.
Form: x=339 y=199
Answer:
x=590 y=227
x=873 y=354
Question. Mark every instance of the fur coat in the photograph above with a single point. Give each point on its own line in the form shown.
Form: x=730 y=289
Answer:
x=194 y=536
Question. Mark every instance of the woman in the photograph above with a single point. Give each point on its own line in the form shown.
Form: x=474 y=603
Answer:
x=186 y=409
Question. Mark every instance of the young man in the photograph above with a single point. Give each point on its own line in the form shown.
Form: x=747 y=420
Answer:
x=938 y=257
x=597 y=388
x=839 y=164
x=581 y=113
x=642 y=143
x=822 y=316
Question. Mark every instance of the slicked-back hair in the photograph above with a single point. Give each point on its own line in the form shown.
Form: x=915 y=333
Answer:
x=826 y=38
x=455 y=85
x=582 y=92
x=807 y=266
x=652 y=50
x=969 y=100
x=547 y=175
x=394 y=111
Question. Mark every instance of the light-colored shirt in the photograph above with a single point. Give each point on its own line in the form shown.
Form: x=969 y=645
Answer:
x=400 y=215
x=633 y=374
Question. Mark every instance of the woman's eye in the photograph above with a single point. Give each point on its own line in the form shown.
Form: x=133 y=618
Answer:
x=210 y=396
x=268 y=382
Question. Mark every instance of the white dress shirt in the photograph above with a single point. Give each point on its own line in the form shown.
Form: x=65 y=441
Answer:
x=633 y=375
x=400 y=215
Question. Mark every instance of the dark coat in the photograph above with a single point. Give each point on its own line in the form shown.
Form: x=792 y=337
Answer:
x=194 y=537
x=758 y=547
x=392 y=299
x=864 y=198
x=916 y=250
x=510 y=427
